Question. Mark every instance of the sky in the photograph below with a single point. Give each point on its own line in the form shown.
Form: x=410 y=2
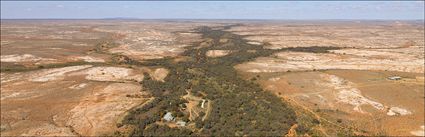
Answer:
x=302 y=10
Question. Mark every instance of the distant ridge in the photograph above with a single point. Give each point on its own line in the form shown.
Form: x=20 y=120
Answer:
x=121 y=18
x=212 y=19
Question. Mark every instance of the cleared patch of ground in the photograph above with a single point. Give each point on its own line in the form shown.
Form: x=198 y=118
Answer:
x=217 y=53
x=159 y=74
x=196 y=106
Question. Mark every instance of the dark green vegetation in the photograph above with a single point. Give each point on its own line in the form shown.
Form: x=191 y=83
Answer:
x=11 y=67
x=239 y=107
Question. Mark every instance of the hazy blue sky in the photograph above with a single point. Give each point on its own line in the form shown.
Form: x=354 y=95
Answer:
x=215 y=9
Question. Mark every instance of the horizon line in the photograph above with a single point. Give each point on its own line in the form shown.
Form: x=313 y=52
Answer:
x=130 y=18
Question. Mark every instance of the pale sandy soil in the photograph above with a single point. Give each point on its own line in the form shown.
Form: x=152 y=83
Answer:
x=57 y=40
x=47 y=42
x=159 y=74
x=55 y=74
x=153 y=40
x=193 y=108
x=113 y=74
x=356 y=97
x=347 y=93
x=23 y=58
x=420 y=132
x=90 y=59
x=217 y=53
x=349 y=85
x=77 y=100
x=360 y=34
x=339 y=59
x=43 y=75
x=98 y=113
x=49 y=130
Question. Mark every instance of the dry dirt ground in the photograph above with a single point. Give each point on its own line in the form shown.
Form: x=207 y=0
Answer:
x=152 y=40
x=77 y=100
x=46 y=42
x=217 y=53
x=348 y=87
x=357 y=34
x=84 y=40
x=366 y=100
x=61 y=78
x=387 y=46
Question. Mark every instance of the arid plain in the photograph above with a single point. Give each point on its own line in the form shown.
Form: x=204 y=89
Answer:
x=96 y=77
